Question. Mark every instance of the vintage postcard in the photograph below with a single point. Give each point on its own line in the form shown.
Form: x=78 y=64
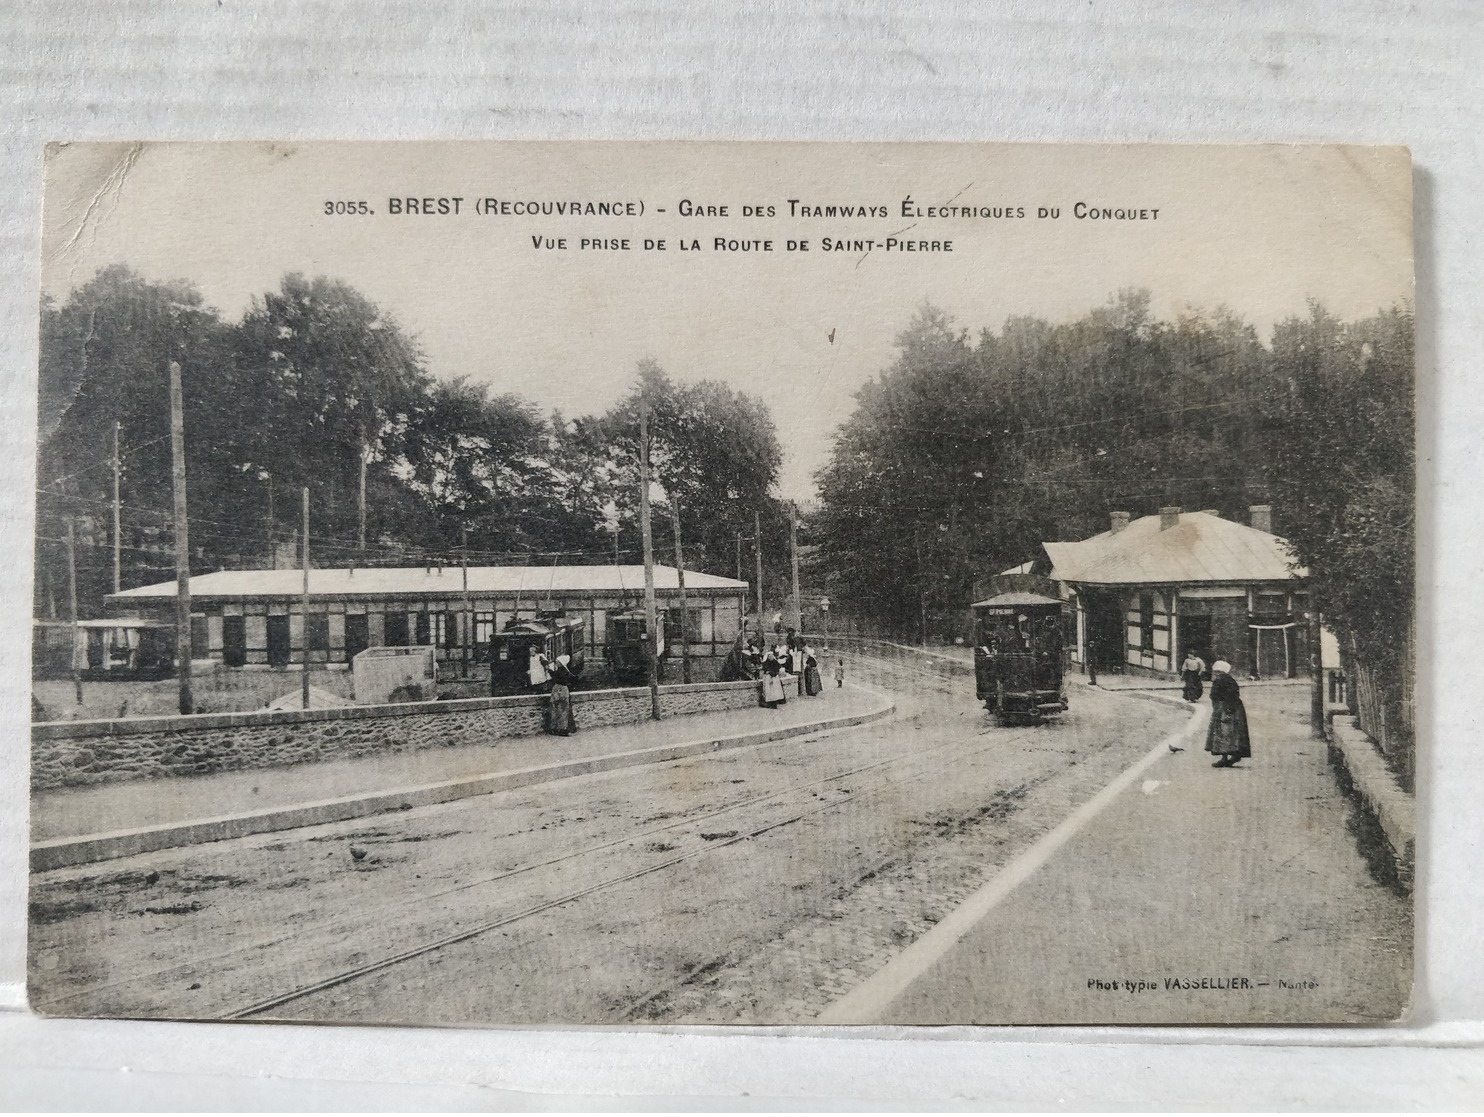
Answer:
x=699 y=583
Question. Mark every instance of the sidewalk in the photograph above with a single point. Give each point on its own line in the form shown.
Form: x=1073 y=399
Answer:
x=1113 y=681
x=108 y=808
x=1233 y=895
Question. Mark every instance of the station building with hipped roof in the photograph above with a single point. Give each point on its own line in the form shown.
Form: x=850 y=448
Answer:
x=1148 y=590
x=243 y=618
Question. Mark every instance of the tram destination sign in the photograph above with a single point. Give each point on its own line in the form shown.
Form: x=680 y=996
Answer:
x=549 y=583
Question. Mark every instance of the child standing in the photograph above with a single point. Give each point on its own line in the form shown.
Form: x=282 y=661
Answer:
x=840 y=673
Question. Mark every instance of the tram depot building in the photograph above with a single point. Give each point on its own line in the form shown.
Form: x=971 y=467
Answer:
x=1148 y=590
x=243 y=618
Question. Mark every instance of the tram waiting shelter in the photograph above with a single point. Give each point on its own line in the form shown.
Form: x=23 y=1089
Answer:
x=1148 y=590
x=244 y=618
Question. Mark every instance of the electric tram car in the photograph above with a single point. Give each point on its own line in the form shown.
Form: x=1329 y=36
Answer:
x=1018 y=657
x=549 y=634
x=626 y=651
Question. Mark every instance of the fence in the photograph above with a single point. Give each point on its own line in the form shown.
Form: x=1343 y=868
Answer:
x=1383 y=703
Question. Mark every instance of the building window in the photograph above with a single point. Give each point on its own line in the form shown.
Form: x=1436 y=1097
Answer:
x=318 y=627
x=692 y=626
x=200 y=637
x=484 y=633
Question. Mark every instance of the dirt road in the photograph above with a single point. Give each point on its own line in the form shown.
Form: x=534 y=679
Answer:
x=751 y=886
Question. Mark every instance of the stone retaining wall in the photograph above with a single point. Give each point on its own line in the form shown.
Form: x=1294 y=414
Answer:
x=1381 y=794
x=89 y=752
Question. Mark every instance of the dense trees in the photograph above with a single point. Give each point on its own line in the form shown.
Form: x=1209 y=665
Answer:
x=317 y=386
x=967 y=453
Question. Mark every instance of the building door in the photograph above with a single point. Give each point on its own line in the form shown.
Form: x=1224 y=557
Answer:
x=1105 y=632
x=234 y=641
x=1195 y=636
x=357 y=635
x=279 y=648
x=395 y=628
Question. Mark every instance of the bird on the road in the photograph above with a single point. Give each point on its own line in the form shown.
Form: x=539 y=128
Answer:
x=357 y=853
x=1176 y=748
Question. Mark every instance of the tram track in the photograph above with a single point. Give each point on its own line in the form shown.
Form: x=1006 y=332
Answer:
x=340 y=930
x=337 y=933
x=484 y=927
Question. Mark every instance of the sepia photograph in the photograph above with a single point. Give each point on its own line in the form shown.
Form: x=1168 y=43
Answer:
x=663 y=583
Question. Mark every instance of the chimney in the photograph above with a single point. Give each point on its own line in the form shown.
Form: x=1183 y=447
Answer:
x=1262 y=517
x=1118 y=521
x=1168 y=518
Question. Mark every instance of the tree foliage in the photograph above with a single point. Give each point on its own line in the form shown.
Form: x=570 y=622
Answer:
x=967 y=453
x=316 y=386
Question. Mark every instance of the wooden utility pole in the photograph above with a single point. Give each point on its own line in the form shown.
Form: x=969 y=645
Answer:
x=361 y=536
x=72 y=607
x=684 y=613
x=468 y=621
x=272 y=554
x=739 y=556
x=182 y=543
x=921 y=585
x=304 y=620
x=757 y=550
x=117 y=542
x=1316 y=669
x=793 y=547
x=651 y=620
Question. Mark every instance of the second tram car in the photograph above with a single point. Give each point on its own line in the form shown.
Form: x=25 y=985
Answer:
x=626 y=650
x=1018 y=657
x=549 y=634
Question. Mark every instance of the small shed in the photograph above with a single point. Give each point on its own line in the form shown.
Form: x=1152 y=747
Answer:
x=1149 y=590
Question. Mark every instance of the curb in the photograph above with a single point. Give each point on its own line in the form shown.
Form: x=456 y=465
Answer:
x=58 y=853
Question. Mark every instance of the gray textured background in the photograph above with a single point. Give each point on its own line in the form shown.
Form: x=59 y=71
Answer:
x=1074 y=70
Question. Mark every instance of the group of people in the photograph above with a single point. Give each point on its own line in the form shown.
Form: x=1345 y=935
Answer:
x=793 y=657
x=555 y=676
x=1227 y=738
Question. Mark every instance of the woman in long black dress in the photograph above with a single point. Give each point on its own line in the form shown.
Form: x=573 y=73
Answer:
x=812 y=684
x=1227 y=737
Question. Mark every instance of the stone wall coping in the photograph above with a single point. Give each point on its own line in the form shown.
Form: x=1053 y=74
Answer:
x=1394 y=808
x=175 y=723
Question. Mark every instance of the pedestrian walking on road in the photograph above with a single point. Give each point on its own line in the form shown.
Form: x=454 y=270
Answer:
x=773 y=695
x=562 y=723
x=1191 y=671
x=1227 y=737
